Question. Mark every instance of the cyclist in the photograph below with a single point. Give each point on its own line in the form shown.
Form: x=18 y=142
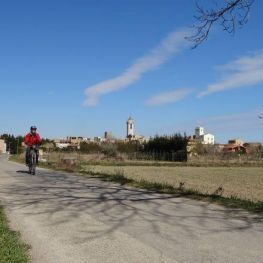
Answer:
x=32 y=139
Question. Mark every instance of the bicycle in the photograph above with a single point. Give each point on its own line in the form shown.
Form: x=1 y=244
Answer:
x=32 y=160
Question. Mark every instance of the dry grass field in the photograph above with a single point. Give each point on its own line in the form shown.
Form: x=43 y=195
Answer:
x=121 y=159
x=242 y=182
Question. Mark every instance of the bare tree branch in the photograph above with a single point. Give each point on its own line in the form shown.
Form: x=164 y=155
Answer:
x=233 y=14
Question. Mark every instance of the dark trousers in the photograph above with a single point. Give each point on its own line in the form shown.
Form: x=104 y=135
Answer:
x=27 y=155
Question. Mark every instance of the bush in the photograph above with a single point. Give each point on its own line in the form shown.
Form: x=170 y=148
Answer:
x=109 y=149
x=91 y=147
x=127 y=147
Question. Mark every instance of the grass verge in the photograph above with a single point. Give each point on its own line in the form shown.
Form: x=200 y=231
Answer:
x=12 y=249
x=233 y=202
x=110 y=162
x=119 y=177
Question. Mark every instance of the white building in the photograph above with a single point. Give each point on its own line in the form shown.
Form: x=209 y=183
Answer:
x=62 y=145
x=204 y=138
x=208 y=138
x=2 y=146
x=99 y=139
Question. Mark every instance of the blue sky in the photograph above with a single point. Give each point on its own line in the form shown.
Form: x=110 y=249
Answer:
x=77 y=67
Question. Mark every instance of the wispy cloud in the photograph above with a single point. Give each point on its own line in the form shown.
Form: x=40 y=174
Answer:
x=239 y=122
x=168 y=97
x=170 y=45
x=245 y=71
x=244 y=125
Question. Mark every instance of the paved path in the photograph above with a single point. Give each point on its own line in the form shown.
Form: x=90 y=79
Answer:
x=71 y=219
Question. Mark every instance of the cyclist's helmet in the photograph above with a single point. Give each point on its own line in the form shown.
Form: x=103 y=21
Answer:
x=33 y=128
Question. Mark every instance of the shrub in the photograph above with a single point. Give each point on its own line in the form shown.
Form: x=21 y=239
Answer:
x=109 y=149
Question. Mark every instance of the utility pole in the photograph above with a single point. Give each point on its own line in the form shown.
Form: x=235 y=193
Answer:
x=17 y=146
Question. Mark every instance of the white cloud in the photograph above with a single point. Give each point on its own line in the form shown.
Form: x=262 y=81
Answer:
x=245 y=71
x=170 y=45
x=168 y=97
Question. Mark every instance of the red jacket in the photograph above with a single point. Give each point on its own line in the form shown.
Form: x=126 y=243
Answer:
x=31 y=139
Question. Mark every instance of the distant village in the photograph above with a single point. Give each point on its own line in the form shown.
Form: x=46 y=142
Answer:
x=200 y=137
x=75 y=141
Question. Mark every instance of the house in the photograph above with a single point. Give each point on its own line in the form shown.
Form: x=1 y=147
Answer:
x=108 y=135
x=235 y=145
x=232 y=148
x=235 y=142
x=204 y=138
x=99 y=139
x=75 y=140
x=2 y=146
x=70 y=141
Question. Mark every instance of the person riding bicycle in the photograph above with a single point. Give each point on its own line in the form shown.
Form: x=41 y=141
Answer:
x=30 y=140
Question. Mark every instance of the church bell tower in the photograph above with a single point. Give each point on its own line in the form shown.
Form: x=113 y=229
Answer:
x=130 y=128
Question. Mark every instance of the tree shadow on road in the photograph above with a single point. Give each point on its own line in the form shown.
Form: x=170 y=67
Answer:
x=64 y=198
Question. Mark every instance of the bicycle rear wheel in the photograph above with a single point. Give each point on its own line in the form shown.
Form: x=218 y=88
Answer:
x=32 y=164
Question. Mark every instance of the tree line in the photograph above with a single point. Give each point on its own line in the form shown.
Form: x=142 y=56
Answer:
x=165 y=147
x=168 y=147
x=13 y=144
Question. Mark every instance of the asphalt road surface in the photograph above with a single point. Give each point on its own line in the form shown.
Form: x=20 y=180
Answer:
x=73 y=219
